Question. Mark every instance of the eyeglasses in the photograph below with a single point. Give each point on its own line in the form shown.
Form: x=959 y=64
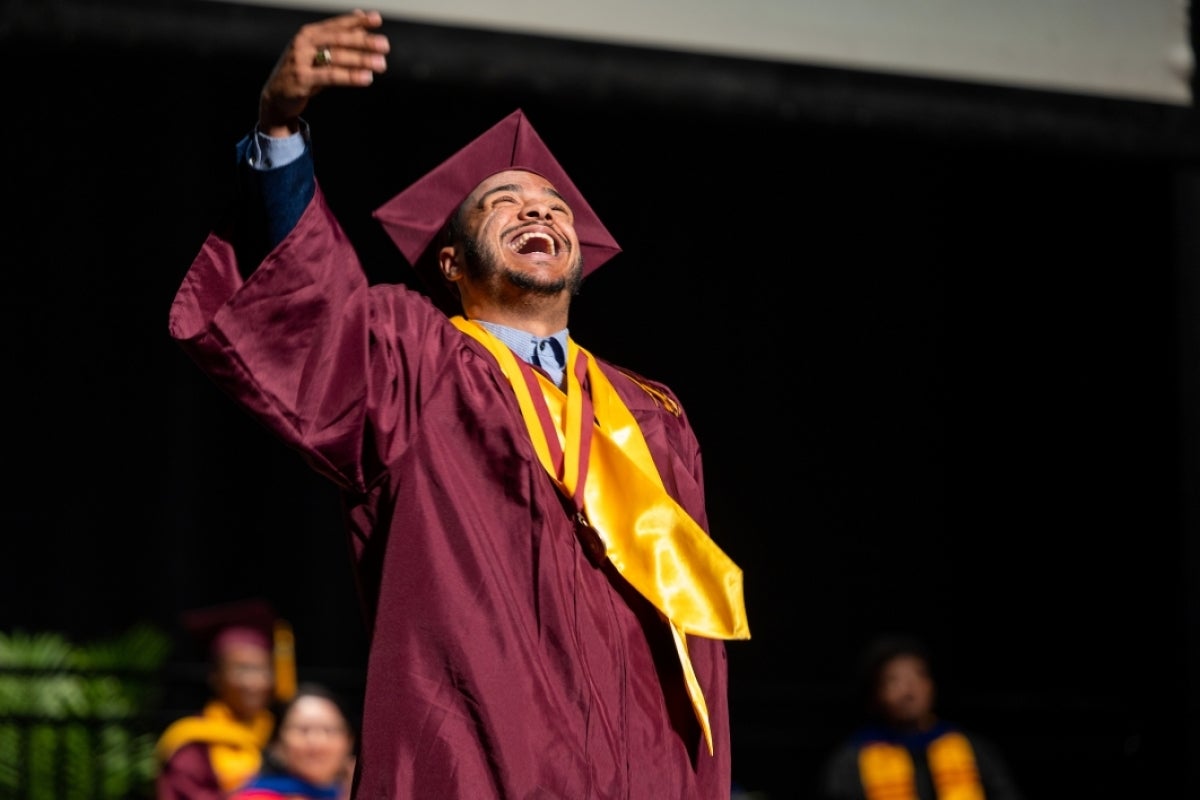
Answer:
x=242 y=671
x=331 y=731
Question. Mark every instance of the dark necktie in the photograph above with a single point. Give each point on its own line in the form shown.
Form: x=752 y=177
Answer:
x=548 y=355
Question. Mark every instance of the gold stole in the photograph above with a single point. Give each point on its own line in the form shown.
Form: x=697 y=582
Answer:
x=887 y=770
x=607 y=469
x=234 y=748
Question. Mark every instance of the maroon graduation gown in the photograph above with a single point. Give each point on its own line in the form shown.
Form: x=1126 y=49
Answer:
x=503 y=663
x=188 y=775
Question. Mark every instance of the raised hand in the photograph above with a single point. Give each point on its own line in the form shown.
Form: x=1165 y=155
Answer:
x=338 y=51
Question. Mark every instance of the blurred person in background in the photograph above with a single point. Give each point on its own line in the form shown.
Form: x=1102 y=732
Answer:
x=311 y=754
x=250 y=666
x=904 y=750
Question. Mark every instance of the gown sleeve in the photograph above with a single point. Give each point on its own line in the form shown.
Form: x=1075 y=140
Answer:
x=839 y=777
x=994 y=772
x=333 y=367
x=188 y=775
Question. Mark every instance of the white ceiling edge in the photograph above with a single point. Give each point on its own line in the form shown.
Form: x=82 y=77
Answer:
x=1125 y=49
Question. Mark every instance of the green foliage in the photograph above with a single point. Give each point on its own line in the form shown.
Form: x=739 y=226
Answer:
x=10 y=755
x=43 y=742
x=118 y=762
x=73 y=716
x=79 y=775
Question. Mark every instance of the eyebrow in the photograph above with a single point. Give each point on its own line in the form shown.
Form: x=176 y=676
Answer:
x=512 y=187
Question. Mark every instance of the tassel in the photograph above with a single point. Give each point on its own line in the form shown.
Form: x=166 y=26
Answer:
x=285 y=661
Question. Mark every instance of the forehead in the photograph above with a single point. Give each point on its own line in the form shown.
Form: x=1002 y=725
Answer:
x=527 y=181
x=311 y=707
x=243 y=653
x=905 y=664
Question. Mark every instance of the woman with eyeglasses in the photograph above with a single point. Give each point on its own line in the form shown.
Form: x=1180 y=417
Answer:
x=311 y=754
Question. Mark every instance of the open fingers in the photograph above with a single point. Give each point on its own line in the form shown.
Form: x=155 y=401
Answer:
x=339 y=51
x=343 y=49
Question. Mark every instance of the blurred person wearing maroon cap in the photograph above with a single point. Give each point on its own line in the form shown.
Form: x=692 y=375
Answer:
x=547 y=610
x=250 y=666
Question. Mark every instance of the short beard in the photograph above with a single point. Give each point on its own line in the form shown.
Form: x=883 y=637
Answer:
x=482 y=263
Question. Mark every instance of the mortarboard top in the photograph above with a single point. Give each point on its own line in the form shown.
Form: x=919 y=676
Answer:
x=414 y=218
x=216 y=626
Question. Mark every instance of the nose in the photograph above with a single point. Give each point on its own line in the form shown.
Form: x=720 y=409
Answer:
x=537 y=209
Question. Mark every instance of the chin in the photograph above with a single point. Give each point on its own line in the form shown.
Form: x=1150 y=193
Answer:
x=537 y=283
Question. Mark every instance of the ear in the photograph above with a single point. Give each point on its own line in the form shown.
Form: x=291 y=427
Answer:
x=449 y=263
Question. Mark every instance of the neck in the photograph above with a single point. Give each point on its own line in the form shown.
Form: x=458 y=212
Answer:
x=918 y=725
x=538 y=321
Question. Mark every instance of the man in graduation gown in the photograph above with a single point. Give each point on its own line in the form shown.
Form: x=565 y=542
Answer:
x=905 y=750
x=546 y=608
x=206 y=755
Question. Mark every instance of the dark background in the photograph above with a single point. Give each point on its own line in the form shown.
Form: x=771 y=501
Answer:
x=939 y=342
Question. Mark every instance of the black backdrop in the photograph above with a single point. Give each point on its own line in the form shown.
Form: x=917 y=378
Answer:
x=938 y=342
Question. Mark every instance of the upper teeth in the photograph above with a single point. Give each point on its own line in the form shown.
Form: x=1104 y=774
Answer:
x=523 y=239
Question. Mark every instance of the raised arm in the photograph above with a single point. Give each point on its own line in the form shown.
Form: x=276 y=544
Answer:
x=338 y=51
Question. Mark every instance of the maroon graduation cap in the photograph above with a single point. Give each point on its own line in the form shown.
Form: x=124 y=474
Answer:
x=251 y=621
x=414 y=218
x=215 y=627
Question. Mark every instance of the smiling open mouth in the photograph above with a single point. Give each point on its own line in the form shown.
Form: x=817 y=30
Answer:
x=534 y=242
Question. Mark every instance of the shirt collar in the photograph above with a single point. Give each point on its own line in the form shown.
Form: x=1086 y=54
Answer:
x=525 y=344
